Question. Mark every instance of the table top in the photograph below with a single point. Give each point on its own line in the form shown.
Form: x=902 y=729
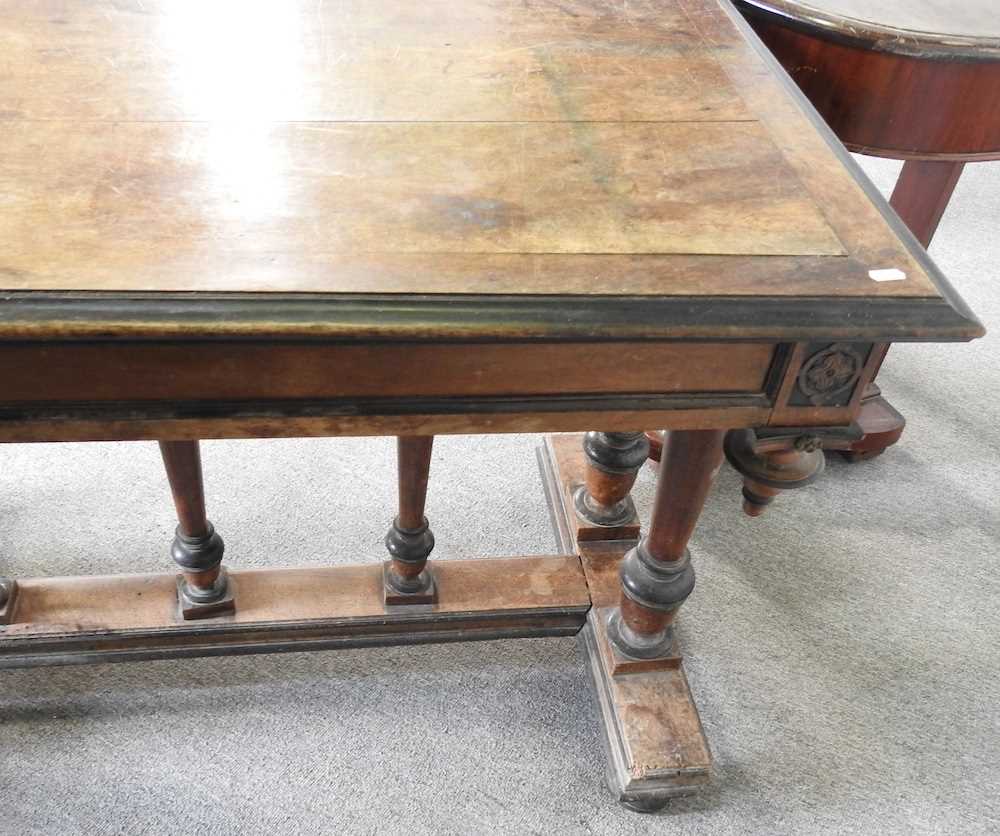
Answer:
x=621 y=169
x=968 y=28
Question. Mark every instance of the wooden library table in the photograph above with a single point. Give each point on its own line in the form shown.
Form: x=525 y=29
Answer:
x=291 y=219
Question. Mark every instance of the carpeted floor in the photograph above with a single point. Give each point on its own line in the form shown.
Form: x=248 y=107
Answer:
x=844 y=649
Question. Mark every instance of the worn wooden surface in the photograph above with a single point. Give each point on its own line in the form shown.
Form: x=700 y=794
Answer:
x=156 y=191
x=481 y=147
x=969 y=28
x=93 y=619
x=144 y=421
x=506 y=214
x=131 y=602
x=657 y=718
x=654 y=740
x=311 y=370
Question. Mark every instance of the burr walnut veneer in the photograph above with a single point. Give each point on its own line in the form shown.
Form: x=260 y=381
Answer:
x=295 y=219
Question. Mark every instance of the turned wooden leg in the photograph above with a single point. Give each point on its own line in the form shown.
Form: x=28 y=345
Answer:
x=773 y=464
x=613 y=462
x=203 y=588
x=408 y=579
x=657 y=575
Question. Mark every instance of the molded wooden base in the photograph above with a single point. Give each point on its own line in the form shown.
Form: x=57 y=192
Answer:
x=880 y=422
x=191 y=610
x=653 y=737
x=618 y=662
x=425 y=598
x=125 y=617
x=567 y=449
x=654 y=740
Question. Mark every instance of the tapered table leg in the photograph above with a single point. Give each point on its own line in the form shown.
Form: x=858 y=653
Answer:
x=603 y=505
x=407 y=578
x=923 y=192
x=203 y=588
x=920 y=197
x=657 y=575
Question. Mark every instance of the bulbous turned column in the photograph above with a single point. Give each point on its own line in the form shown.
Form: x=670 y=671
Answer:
x=773 y=463
x=657 y=575
x=406 y=577
x=652 y=592
x=204 y=589
x=613 y=462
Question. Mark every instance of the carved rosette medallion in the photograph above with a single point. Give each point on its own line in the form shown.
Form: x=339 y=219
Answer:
x=830 y=373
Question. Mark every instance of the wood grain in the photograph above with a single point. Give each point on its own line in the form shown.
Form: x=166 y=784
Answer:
x=413 y=455
x=496 y=146
x=222 y=371
x=654 y=738
x=133 y=602
x=146 y=198
x=182 y=461
x=691 y=461
x=655 y=721
x=124 y=422
x=358 y=60
x=569 y=471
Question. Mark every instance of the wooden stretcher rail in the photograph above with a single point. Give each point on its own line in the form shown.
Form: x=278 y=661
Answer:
x=80 y=620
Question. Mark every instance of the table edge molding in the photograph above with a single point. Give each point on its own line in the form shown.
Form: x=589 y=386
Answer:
x=54 y=316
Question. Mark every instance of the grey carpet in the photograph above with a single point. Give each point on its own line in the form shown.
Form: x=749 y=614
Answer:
x=843 y=649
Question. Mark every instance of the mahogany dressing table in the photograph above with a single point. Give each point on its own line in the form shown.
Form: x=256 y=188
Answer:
x=378 y=218
x=913 y=80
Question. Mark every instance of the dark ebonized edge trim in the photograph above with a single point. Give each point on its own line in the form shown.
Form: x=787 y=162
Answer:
x=25 y=316
x=779 y=368
x=944 y=287
x=95 y=315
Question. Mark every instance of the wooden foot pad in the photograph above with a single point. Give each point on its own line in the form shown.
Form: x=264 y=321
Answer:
x=619 y=663
x=425 y=598
x=189 y=609
x=653 y=736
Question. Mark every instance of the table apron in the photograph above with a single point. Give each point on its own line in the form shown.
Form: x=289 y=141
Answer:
x=113 y=390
